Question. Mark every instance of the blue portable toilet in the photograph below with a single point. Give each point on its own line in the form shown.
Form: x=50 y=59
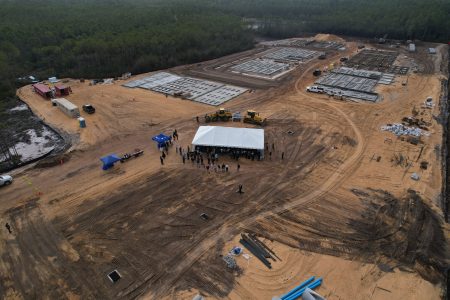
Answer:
x=82 y=122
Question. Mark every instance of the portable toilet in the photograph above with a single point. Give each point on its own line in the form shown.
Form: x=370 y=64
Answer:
x=82 y=122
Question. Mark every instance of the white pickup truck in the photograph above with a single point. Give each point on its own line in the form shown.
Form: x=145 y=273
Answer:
x=315 y=89
x=5 y=180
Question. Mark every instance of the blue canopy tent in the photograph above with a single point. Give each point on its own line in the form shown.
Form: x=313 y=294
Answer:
x=108 y=161
x=161 y=139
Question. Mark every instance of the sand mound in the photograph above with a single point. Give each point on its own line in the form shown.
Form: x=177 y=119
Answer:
x=328 y=38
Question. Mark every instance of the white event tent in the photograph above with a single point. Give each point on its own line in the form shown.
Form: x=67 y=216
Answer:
x=229 y=137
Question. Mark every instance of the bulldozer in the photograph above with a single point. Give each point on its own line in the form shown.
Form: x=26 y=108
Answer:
x=253 y=117
x=221 y=115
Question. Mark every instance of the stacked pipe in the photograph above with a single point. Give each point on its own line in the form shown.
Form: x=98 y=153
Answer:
x=257 y=249
x=271 y=253
x=298 y=287
x=296 y=292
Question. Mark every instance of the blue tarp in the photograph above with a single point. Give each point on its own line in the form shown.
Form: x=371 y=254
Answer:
x=161 y=139
x=108 y=161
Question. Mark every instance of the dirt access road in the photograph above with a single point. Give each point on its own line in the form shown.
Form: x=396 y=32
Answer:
x=328 y=204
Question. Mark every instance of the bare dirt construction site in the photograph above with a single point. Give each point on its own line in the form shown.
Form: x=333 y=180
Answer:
x=349 y=190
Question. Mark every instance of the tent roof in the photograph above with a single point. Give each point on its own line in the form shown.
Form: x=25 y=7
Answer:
x=160 y=138
x=110 y=159
x=218 y=136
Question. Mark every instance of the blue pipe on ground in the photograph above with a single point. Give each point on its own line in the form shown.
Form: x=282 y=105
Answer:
x=297 y=294
x=298 y=287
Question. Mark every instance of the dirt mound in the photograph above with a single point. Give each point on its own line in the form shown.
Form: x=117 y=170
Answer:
x=321 y=37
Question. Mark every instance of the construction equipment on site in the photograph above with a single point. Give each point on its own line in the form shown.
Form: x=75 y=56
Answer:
x=253 y=117
x=221 y=115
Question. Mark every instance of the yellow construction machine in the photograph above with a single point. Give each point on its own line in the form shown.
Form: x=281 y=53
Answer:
x=221 y=115
x=253 y=117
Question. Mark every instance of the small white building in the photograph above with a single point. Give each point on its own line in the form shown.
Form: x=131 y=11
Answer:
x=412 y=47
x=67 y=107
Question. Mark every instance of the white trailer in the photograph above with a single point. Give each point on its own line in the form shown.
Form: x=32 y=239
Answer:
x=67 y=107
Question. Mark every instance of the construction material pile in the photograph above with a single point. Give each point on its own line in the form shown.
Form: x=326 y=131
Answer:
x=400 y=129
x=230 y=261
x=258 y=249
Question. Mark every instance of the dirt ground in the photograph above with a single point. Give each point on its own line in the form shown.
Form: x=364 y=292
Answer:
x=340 y=205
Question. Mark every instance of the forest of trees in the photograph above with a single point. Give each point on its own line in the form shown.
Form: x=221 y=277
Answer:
x=427 y=20
x=107 y=38
x=104 y=38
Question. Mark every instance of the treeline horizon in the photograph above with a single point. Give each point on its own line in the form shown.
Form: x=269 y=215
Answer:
x=105 y=38
x=426 y=20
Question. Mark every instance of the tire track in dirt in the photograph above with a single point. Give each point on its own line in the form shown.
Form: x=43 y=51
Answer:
x=229 y=228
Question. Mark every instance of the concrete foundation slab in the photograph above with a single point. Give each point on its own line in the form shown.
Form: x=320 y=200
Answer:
x=203 y=91
x=221 y=95
x=189 y=87
x=292 y=54
x=260 y=67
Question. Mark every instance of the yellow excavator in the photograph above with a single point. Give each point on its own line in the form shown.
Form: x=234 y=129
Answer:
x=221 y=115
x=253 y=117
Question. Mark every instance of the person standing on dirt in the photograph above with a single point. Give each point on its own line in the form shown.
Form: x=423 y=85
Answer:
x=270 y=155
x=282 y=155
x=238 y=167
x=240 y=189
x=8 y=227
x=197 y=119
x=184 y=160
